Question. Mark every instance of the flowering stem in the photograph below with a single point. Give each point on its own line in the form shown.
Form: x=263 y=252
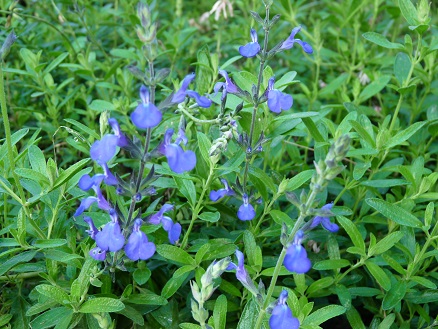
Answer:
x=198 y=206
x=256 y=101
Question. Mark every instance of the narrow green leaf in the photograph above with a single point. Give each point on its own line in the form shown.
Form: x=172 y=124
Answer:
x=424 y=282
x=280 y=217
x=69 y=173
x=100 y=106
x=380 y=40
x=146 y=298
x=55 y=293
x=385 y=244
x=334 y=85
x=363 y=133
x=409 y=12
x=132 y=314
x=353 y=233
x=186 y=188
x=354 y=319
x=191 y=325
x=404 y=134
x=402 y=67
x=313 y=130
x=324 y=314
x=211 y=217
x=250 y=246
x=387 y=322
x=378 y=274
x=374 y=87
x=23 y=257
x=204 y=146
x=51 y=318
x=50 y=243
x=220 y=312
x=394 y=212
x=101 y=304
x=316 y=287
x=298 y=180
x=37 y=159
x=394 y=295
x=248 y=319
x=330 y=264
x=53 y=64
x=174 y=283
x=83 y=128
x=175 y=254
x=378 y=183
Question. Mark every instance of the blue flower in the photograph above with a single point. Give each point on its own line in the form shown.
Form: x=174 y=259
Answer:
x=289 y=42
x=179 y=160
x=98 y=254
x=104 y=150
x=146 y=115
x=86 y=183
x=216 y=195
x=324 y=220
x=228 y=85
x=173 y=229
x=296 y=256
x=138 y=246
x=246 y=210
x=93 y=230
x=277 y=100
x=250 y=49
x=182 y=92
x=282 y=317
x=241 y=273
x=122 y=139
x=111 y=237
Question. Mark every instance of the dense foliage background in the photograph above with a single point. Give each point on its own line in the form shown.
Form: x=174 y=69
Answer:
x=372 y=75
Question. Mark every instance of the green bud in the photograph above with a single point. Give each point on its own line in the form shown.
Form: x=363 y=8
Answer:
x=423 y=10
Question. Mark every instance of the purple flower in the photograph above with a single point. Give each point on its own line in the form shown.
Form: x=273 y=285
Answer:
x=241 y=273
x=98 y=254
x=138 y=246
x=85 y=183
x=146 y=115
x=182 y=92
x=122 y=139
x=109 y=178
x=104 y=150
x=228 y=85
x=173 y=229
x=282 y=317
x=216 y=195
x=296 y=256
x=250 y=49
x=111 y=237
x=289 y=42
x=178 y=159
x=277 y=100
x=324 y=220
x=246 y=210
x=93 y=230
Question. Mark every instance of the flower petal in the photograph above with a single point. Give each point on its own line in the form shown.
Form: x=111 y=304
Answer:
x=104 y=150
x=250 y=49
x=296 y=259
x=146 y=115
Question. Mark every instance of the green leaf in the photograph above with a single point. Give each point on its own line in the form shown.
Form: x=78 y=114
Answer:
x=101 y=304
x=380 y=40
x=83 y=128
x=363 y=133
x=394 y=295
x=316 y=287
x=374 y=87
x=334 y=85
x=354 y=319
x=298 y=180
x=132 y=314
x=262 y=180
x=285 y=80
x=250 y=247
x=174 y=283
x=313 y=130
x=379 y=274
x=378 y=183
x=32 y=175
x=175 y=254
x=58 y=60
x=51 y=318
x=186 y=188
x=69 y=173
x=146 y=298
x=409 y=12
x=402 y=67
x=353 y=233
x=280 y=217
x=220 y=312
x=424 y=282
x=16 y=137
x=404 y=134
x=4 y=319
x=248 y=318
x=330 y=264
x=141 y=275
x=191 y=325
x=211 y=217
x=100 y=106
x=385 y=244
x=80 y=286
x=324 y=314
x=50 y=243
x=124 y=53
x=55 y=293
x=204 y=146
x=37 y=159
x=360 y=169
x=23 y=257
x=387 y=322
x=394 y=212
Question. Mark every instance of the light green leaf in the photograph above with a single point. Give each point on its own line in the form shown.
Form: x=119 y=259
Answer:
x=211 y=217
x=51 y=318
x=69 y=173
x=55 y=293
x=23 y=257
x=379 y=274
x=404 y=135
x=374 y=87
x=175 y=254
x=409 y=12
x=298 y=180
x=353 y=233
x=394 y=212
x=101 y=304
x=402 y=67
x=220 y=312
x=334 y=85
x=204 y=146
x=380 y=40
x=385 y=244
x=37 y=159
x=394 y=295
x=323 y=314
x=100 y=106
x=186 y=188
x=387 y=322
x=50 y=243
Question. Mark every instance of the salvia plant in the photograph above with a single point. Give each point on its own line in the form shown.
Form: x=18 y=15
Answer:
x=149 y=182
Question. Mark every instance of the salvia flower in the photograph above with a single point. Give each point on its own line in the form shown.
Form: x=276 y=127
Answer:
x=219 y=194
x=93 y=230
x=324 y=220
x=246 y=210
x=173 y=229
x=277 y=100
x=296 y=256
x=250 y=49
x=146 y=115
x=138 y=246
x=228 y=85
x=182 y=92
x=290 y=41
x=241 y=273
x=179 y=160
x=98 y=254
x=105 y=149
x=111 y=237
x=122 y=140
x=282 y=317
x=86 y=183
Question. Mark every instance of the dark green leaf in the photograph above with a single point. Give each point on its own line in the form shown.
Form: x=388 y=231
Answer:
x=394 y=212
x=385 y=244
x=51 y=318
x=101 y=304
x=394 y=295
x=24 y=257
x=175 y=254
x=378 y=274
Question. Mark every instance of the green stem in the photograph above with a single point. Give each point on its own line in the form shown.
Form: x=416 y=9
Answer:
x=198 y=207
x=187 y=113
